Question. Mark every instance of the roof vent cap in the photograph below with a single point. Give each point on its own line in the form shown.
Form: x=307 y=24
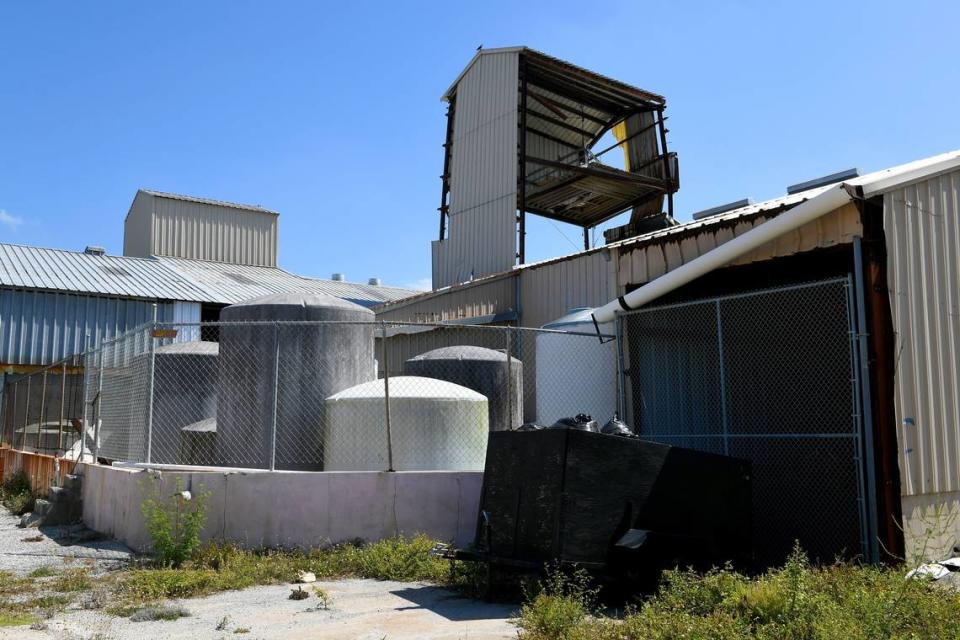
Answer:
x=846 y=174
x=722 y=208
x=374 y=281
x=337 y=277
x=93 y=250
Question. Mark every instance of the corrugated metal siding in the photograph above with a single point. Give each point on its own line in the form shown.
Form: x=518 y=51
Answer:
x=201 y=231
x=549 y=291
x=41 y=327
x=640 y=263
x=469 y=301
x=922 y=228
x=483 y=174
x=136 y=226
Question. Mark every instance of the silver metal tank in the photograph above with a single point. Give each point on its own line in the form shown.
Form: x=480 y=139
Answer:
x=483 y=370
x=315 y=361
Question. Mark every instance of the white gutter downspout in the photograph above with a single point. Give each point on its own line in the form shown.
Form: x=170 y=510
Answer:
x=726 y=253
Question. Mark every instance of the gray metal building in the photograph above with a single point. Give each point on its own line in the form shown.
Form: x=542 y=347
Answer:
x=190 y=256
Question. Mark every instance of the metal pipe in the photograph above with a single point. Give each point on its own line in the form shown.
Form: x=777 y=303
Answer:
x=803 y=213
x=43 y=406
x=386 y=392
x=276 y=396
x=26 y=417
x=153 y=360
x=860 y=300
x=509 y=346
x=99 y=409
x=63 y=399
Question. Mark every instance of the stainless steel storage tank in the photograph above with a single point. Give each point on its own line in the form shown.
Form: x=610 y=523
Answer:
x=315 y=360
x=480 y=369
x=184 y=392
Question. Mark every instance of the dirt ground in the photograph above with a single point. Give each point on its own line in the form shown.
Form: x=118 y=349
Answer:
x=357 y=609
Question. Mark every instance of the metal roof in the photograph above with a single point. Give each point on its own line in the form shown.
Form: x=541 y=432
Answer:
x=219 y=203
x=74 y=271
x=229 y=283
x=161 y=278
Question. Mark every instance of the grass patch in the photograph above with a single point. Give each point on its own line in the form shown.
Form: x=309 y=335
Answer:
x=71 y=581
x=13 y=585
x=150 y=614
x=16 y=618
x=797 y=601
x=216 y=568
x=16 y=494
x=42 y=572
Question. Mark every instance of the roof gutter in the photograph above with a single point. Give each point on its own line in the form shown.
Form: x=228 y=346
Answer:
x=798 y=216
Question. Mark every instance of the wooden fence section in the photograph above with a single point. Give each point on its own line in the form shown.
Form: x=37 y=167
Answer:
x=44 y=471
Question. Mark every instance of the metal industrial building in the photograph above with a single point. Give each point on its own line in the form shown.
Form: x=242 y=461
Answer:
x=190 y=256
x=885 y=265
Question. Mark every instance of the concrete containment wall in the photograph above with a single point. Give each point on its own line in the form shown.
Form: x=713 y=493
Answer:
x=286 y=509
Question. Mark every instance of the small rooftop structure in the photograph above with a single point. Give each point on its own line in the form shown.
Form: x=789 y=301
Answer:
x=522 y=131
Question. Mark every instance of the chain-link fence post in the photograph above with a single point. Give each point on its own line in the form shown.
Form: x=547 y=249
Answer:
x=386 y=392
x=98 y=406
x=276 y=396
x=43 y=406
x=83 y=419
x=26 y=416
x=63 y=394
x=151 y=364
x=509 y=339
x=723 y=383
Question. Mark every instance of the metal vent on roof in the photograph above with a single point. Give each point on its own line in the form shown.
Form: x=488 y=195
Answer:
x=723 y=208
x=846 y=174
x=94 y=250
x=337 y=277
x=374 y=281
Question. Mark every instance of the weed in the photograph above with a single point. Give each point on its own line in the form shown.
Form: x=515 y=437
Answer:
x=242 y=630
x=12 y=585
x=174 y=523
x=563 y=602
x=72 y=580
x=149 y=614
x=323 y=596
x=795 y=602
x=16 y=493
x=224 y=622
x=298 y=594
x=42 y=572
x=34 y=539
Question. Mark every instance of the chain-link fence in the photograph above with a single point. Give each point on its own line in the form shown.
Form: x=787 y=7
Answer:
x=43 y=411
x=770 y=377
x=326 y=396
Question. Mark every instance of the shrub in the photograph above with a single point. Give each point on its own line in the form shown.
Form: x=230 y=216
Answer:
x=16 y=493
x=562 y=603
x=174 y=524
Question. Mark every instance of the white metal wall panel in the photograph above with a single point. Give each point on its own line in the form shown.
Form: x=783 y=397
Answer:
x=201 y=231
x=41 y=327
x=922 y=228
x=481 y=236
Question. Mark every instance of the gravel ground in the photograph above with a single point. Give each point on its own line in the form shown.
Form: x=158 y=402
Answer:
x=60 y=547
x=361 y=609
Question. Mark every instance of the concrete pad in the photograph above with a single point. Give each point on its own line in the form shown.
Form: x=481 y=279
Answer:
x=363 y=609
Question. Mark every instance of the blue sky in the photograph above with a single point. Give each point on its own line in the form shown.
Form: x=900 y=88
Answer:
x=330 y=113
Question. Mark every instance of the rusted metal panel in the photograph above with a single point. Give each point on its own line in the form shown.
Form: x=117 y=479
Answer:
x=922 y=231
x=44 y=471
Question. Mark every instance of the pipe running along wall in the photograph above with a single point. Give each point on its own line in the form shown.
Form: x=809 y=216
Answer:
x=801 y=214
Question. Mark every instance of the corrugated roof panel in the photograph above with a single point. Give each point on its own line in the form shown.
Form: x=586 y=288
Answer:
x=162 y=278
x=73 y=271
